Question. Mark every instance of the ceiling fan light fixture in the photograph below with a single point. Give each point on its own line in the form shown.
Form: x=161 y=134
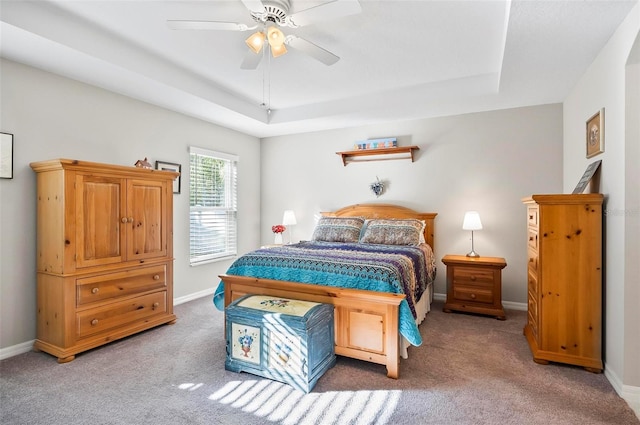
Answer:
x=278 y=50
x=255 y=41
x=275 y=36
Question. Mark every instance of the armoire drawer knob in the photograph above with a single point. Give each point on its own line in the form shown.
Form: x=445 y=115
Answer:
x=155 y=305
x=94 y=322
x=156 y=277
x=95 y=291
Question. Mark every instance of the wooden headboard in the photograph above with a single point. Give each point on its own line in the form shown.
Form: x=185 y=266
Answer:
x=388 y=211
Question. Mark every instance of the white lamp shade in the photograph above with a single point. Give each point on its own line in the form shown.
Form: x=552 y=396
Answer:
x=471 y=221
x=289 y=218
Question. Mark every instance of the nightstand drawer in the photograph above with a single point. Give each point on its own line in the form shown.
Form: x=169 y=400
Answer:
x=473 y=276
x=473 y=293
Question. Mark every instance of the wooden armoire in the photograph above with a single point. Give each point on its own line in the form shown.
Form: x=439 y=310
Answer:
x=564 y=245
x=104 y=253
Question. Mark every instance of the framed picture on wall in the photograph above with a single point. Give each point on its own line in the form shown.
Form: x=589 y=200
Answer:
x=170 y=166
x=6 y=155
x=595 y=134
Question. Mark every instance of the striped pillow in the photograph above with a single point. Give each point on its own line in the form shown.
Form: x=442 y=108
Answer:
x=338 y=229
x=394 y=232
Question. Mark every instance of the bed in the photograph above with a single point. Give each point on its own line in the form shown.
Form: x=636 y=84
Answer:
x=370 y=325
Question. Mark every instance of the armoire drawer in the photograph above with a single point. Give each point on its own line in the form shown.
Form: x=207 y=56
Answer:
x=130 y=282
x=133 y=310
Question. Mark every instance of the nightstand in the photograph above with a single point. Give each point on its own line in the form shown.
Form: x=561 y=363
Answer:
x=474 y=285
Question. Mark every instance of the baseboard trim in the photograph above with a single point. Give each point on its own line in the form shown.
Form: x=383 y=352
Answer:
x=194 y=296
x=629 y=393
x=509 y=305
x=14 y=350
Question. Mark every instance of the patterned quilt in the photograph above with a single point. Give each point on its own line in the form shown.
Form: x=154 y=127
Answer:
x=384 y=268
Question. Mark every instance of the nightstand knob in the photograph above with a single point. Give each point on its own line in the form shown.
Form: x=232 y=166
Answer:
x=95 y=290
x=156 y=277
x=473 y=296
x=155 y=305
x=94 y=322
x=473 y=278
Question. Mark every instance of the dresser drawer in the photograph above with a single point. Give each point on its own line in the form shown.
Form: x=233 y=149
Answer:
x=473 y=276
x=532 y=284
x=120 y=313
x=532 y=216
x=473 y=293
x=533 y=313
x=532 y=260
x=113 y=285
x=532 y=239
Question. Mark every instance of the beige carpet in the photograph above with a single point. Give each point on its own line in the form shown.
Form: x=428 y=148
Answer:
x=470 y=370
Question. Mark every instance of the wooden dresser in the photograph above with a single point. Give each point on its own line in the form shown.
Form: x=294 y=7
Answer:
x=104 y=253
x=564 y=246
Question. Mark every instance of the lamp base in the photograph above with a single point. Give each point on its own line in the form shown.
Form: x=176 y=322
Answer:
x=473 y=254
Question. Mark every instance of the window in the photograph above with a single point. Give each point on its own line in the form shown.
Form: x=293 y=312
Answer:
x=212 y=205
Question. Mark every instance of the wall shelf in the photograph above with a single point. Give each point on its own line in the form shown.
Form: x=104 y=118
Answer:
x=400 y=152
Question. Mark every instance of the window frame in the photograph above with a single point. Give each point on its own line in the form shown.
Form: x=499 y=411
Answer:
x=229 y=211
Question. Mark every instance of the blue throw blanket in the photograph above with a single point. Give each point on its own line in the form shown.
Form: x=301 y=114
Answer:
x=383 y=268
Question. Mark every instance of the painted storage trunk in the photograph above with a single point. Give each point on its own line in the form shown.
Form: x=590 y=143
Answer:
x=290 y=341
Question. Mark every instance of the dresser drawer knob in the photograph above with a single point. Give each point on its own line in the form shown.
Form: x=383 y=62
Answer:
x=155 y=305
x=95 y=291
x=473 y=277
x=156 y=277
x=473 y=296
x=94 y=322
x=530 y=238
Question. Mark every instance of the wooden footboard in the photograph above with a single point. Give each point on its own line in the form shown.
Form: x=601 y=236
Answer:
x=366 y=322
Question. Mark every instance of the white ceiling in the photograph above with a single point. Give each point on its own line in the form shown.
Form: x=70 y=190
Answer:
x=398 y=59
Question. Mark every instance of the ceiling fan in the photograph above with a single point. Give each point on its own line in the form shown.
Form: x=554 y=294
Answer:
x=271 y=15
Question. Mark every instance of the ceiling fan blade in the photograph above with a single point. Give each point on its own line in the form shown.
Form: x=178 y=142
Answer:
x=326 y=11
x=208 y=25
x=313 y=50
x=251 y=60
x=254 y=5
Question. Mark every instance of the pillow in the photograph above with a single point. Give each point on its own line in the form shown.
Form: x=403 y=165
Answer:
x=338 y=229
x=394 y=232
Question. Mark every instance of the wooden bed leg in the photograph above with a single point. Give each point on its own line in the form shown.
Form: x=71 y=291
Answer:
x=393 y=370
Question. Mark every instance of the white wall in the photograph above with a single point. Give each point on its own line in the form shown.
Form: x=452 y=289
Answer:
x=485 y=161
x=55 y=117
x=605 y=85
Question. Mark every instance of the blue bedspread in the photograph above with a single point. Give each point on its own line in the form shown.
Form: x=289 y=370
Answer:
x=383 y=268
